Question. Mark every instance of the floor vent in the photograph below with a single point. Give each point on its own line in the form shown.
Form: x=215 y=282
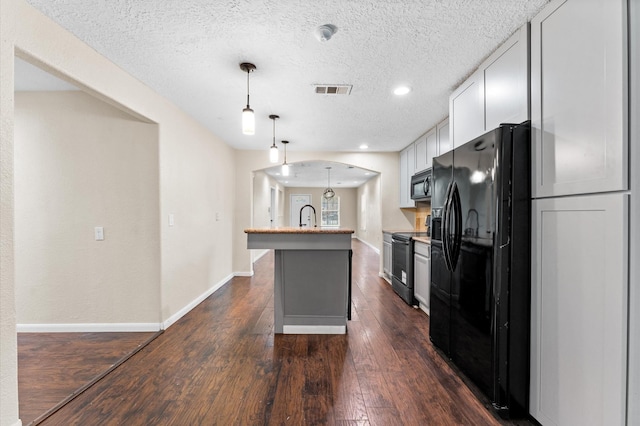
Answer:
x=332 y=89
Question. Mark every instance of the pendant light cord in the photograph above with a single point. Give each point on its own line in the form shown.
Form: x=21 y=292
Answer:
x=248 y=72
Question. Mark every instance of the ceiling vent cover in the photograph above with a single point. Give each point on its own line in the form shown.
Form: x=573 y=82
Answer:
x=332 y=89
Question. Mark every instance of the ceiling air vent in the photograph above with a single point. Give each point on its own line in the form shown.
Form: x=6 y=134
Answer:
x=332 y=89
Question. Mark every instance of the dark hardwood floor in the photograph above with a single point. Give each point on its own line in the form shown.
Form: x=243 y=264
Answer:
x=53 y=366
x=222 y=365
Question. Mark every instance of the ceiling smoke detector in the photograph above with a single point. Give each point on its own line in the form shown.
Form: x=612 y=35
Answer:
x=325 y=32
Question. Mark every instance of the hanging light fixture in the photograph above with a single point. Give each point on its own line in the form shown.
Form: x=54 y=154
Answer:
x=285 y=165
x=248 y=118
x=273 y=151
x=328 y=193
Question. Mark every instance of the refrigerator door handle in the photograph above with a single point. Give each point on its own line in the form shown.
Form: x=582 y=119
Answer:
x=445 y=229
x=457 y=229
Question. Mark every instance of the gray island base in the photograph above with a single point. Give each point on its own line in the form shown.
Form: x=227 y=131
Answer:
x=312 y=277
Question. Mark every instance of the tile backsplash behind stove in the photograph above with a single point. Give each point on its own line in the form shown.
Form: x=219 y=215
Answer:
x=421 y=217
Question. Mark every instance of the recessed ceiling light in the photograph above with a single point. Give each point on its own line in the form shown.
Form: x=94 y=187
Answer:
x=364 y=146
x=401 y=90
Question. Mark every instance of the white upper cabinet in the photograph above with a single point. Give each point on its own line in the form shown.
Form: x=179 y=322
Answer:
x=506 y=82
x=466 y=110
x=498 y=92
x=418 y=157
x=407 y=169
x=444 y=142
x=578 y=102
x=421 y=153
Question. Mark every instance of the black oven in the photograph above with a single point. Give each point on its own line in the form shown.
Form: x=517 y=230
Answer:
x=421 y=186
x=402 y=264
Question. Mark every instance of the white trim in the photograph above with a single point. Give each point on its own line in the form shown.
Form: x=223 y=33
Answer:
x=243 y=274
x=18 y=423
x=195 y=302
x=377 y=250
x=88 y=327
x=384 y=277
x=314 y=329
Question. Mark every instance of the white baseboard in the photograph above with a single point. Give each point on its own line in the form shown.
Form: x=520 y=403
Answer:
x=377 y=250
x=314 y=329
x=195 y=302
x=243 y=274
x=18 y=423
x=88 y=328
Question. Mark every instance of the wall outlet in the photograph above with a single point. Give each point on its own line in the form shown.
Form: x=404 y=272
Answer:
x=217 y=216
x=99 y=233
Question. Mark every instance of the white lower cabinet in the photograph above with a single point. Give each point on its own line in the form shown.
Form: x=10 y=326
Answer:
x=386 y=254
x=422 y=274
x=579 y=310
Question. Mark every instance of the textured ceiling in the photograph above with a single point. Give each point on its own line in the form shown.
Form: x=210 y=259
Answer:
x=189 y=51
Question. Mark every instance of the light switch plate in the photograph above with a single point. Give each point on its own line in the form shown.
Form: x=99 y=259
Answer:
x=171 y=221
x=99 y=233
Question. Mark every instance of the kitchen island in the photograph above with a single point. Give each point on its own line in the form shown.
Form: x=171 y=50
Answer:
x=312 y=280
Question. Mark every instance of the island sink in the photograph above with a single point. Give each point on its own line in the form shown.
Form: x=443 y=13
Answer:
x=312 y=282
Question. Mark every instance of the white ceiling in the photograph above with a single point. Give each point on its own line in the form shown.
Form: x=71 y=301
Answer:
x=190 y=51
x=310 y=174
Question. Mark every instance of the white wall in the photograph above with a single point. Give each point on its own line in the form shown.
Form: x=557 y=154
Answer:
x=369 y=221
x=81 y=163
x=348 y=217
x=262 y=184
x=8 y=339
x=387 y=164
x=197 y=181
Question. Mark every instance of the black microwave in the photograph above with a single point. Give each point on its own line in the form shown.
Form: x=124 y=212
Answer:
x=421 y=186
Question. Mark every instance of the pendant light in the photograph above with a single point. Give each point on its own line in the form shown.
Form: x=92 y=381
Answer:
x=248 y=118
x=285 y=165
x=273 y=151
x=328 y=193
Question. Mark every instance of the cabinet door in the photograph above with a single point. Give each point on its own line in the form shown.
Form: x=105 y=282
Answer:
x=444 y=143
x=432 y=146
x=506 y=81
x=421 y=154
x=466 y=110
x=579 y=310
x=578 y=101
x=407 y=167
x=422 y=280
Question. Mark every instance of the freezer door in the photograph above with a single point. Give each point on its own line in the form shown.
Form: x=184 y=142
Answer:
x=472 y=298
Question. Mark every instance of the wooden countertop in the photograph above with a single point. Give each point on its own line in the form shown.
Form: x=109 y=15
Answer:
x=426 y=240
x=297 y=230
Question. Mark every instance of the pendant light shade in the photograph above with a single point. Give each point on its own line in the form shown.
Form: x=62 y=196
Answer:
x=273 y=151
x=285 y=165
x=328 y=193
x=248 y=121
x=248 y=117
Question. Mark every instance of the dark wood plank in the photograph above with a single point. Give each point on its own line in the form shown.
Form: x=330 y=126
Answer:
x=222 y=364
x=52 y=366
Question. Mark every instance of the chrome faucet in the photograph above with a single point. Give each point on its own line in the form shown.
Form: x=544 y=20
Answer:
x=315 y=219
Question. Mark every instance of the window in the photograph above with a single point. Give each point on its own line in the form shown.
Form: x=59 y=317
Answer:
x=330 y=211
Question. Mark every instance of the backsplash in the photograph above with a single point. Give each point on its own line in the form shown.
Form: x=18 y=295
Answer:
x=421 y=217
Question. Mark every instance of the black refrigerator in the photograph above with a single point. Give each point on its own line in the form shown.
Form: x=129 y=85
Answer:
x=480 y=263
